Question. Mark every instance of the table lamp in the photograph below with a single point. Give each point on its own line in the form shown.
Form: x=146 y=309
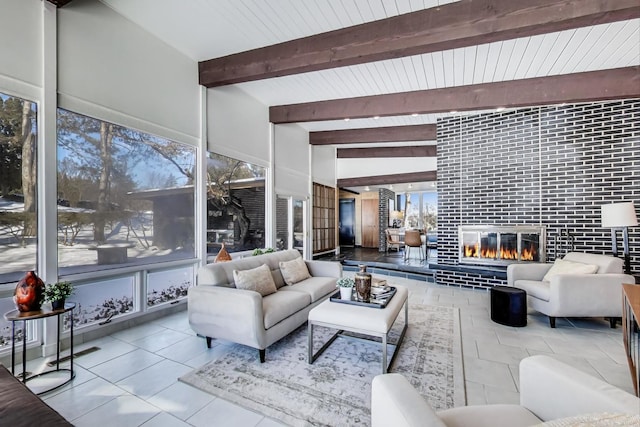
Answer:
x=620 y=216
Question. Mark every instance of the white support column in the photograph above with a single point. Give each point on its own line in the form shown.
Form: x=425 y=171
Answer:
x=47 y=167
x=270 y=193
x=201 y=211
x=308 y=218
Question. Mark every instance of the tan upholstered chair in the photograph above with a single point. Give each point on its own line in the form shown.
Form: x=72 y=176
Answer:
x=393 y=241
x=412 y=240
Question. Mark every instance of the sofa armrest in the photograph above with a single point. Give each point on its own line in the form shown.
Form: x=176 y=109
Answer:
x=552 y=389
x=583 y=294
x=228 y=313
x=534 y=271
x=325 y=268
x=394 y=402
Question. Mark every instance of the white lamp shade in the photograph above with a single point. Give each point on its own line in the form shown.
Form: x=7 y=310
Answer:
x=619 y=215
x=396 y=215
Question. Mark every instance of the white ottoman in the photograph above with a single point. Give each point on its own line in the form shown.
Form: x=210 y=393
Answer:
x=375 y=322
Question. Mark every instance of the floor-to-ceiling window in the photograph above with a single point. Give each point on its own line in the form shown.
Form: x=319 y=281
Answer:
x=420 y=209
x=125 y=198
x=18 y=203
x=235 y=204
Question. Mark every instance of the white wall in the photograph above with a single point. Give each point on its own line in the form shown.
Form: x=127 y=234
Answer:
x=111 y=69
x=238 y=125
x=291 y=160
x=21 y=48
x=352 y=168
x=323 y=167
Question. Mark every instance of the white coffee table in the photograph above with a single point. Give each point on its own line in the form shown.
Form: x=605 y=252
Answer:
x=374 y=322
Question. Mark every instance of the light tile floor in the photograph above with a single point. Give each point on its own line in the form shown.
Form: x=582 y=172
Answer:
x=132 y=379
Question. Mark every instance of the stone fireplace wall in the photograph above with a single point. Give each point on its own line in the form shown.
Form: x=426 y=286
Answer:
x=384 y=195
x=553 y=166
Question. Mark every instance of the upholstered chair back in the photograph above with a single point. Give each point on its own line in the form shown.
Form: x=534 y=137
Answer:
x=605 y=263
x=412 y=238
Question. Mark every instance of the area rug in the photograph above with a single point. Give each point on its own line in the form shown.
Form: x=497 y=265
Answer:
x=336 y=389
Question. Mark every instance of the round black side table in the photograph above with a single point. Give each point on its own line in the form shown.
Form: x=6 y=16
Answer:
x=509 y=306
x=17 y=316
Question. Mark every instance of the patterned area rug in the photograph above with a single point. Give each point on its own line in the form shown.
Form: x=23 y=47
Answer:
x=336 y=389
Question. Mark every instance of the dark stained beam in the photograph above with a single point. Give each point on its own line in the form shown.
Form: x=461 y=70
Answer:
x=399 y=178
x=59 y=3
x=369 y=153
x=368 y=135
x=455 y=25
x=589 y=86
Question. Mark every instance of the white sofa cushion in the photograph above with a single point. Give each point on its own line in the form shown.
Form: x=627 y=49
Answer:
x=604 y=419
x=562 y=266
x=294 y=271
x=257 y=279
x=535 y=288
x=315 y=287
x=489 y=416
x=280 y=305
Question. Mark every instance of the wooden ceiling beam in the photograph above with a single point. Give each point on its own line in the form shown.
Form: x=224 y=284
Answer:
x=377 y=152
x=59 y=3
x=589 y=86
x=460 y=24
x=370 y=135
x=400 y=178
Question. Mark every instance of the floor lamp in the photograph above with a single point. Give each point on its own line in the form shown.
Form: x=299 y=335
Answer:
x=620 y=216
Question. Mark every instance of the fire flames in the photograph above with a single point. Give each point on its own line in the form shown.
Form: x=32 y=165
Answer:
x=528 y=254
x=474 y=251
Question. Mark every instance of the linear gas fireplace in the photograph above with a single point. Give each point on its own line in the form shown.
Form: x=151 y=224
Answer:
x=501 y=245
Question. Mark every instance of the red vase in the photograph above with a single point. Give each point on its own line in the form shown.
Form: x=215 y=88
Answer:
x=29 y=292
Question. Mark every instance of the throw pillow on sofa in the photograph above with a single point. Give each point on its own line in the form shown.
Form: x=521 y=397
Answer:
x=257 y=279
x=294 y=271
x=569 y=267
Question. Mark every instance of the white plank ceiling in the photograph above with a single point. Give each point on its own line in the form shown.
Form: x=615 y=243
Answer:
x=206 y=29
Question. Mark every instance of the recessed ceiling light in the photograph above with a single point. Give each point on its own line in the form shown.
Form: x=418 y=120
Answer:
x=453 y=111
x=376 y=117
x=367 y=188
x=346 y=119
x=500 y=109
x=414 y=115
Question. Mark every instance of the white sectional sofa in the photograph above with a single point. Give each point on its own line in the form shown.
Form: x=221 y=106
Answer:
x=549 y=390
x=218 y=309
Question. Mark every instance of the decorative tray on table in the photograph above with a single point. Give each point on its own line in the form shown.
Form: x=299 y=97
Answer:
x=378 y=300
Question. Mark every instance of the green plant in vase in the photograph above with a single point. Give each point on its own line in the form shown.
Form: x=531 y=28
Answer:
x=57 y=293
x=346 y=285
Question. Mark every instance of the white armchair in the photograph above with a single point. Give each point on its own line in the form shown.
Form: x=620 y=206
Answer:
x=573 y=294
x=549 y=390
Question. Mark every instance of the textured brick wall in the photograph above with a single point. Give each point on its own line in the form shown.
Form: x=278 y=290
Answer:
x=384 y=195
x=553 y=166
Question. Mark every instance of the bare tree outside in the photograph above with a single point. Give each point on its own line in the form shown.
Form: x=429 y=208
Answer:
x=18 y=187
x=228 y=184
x=123 y=192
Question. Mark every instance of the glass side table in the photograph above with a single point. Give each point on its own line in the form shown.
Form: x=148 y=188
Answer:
x=17 y=316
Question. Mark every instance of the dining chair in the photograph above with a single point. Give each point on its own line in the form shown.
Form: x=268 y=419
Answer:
x=393 y=241
x=412 y=240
